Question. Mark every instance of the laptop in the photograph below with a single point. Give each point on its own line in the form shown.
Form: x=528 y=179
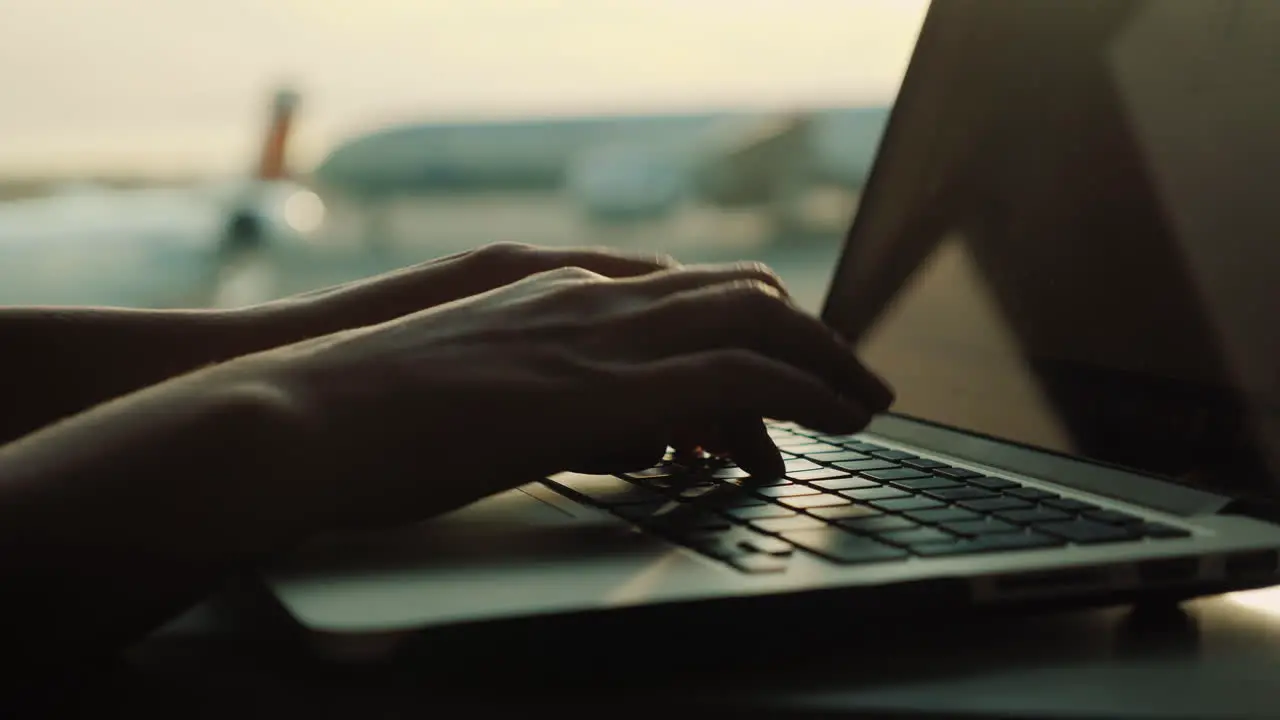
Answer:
x=1065 y=262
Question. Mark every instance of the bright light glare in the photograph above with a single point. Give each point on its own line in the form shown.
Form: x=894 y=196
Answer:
x=304 y=212
x=1266 y=600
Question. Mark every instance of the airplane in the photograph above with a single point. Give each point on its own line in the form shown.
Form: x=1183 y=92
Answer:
x=615 y=169
x=90 y=244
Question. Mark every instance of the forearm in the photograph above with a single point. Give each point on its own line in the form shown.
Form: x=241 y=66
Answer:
x=56 y=362
x=114 y=520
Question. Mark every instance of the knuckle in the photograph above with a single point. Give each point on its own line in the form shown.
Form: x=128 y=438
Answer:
x=613 y=257
x=736 y=362
x=754 y=295
x=759 y=270
x=573 y=273
x=506 y=253
x=665 y=261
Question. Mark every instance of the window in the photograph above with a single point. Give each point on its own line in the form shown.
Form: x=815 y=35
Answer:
x=182 y=153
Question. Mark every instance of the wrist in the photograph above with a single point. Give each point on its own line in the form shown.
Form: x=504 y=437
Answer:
x=284 y=437
x=251 y=330
x=297 y=318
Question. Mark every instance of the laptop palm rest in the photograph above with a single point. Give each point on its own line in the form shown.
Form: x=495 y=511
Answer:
x=519 y=552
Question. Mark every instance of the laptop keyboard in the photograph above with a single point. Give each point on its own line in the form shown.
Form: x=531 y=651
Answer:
x=850 y=502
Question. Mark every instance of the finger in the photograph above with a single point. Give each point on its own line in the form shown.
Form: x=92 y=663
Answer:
x=748 y=443
x=749 y=314
x=692 y=440
x=692 y=277
x=676 y=390
x=607 y=262
x=633 y=455
x=498 y=264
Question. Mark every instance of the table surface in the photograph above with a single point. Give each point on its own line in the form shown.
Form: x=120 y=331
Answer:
x=1214 y=657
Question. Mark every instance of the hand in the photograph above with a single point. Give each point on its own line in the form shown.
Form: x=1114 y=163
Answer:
x=433 y=410
x=436 y=282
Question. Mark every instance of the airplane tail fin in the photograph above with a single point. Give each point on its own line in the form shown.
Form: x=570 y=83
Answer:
x=273 y=163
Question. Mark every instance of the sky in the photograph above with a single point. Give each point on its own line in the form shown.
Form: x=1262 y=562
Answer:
x=182 y=85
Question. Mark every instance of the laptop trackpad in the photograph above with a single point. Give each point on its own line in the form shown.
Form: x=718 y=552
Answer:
x=526 y=524
x=525 y=507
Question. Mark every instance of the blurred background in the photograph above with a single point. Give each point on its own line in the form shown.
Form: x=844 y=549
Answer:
x=181 y=153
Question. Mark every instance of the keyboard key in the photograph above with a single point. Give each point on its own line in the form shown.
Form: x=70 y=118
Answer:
x=879 y=493
x=730 y=537
x=878 y=524
x=988 y=543
x=894 y=474
x=642 y=511
x=1087 y=532
x=798 y=465
x=720 y=548
x=918 y=536
x=960 y=493
x=777 y=525
x=906 y=504
x=1030 y=493
x=924 y=463
x=756 y=481
x=850 y=483
x=1160 y=530
x=995 y=504
x=673 y=508
x=804 y=502
x=728 y=497
x=729 y=473
x=591 y=485
x=865 y=465
x=758 y=512
x=658 y=471
x=767 y=544
x=1031 y=516
x=844 y=548
x=785 y=491
x=700 y=491
x=957 y=473
x=864 y=447
x=819 y=474
x=926 y=483
x=991 y=483
x=892 y=454
x=1112 y=517
x=758 y=563
x=790 y=440
x=941 y=515
x=801 y=430
x=844 y=512
x=662 y=484
x=980 y=527
x=813 y=447
x=1071 y=505
x=842 y=456
x=683 y=524
x=835 y=439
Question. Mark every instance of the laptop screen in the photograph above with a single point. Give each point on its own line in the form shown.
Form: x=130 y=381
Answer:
x=1071 y=237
